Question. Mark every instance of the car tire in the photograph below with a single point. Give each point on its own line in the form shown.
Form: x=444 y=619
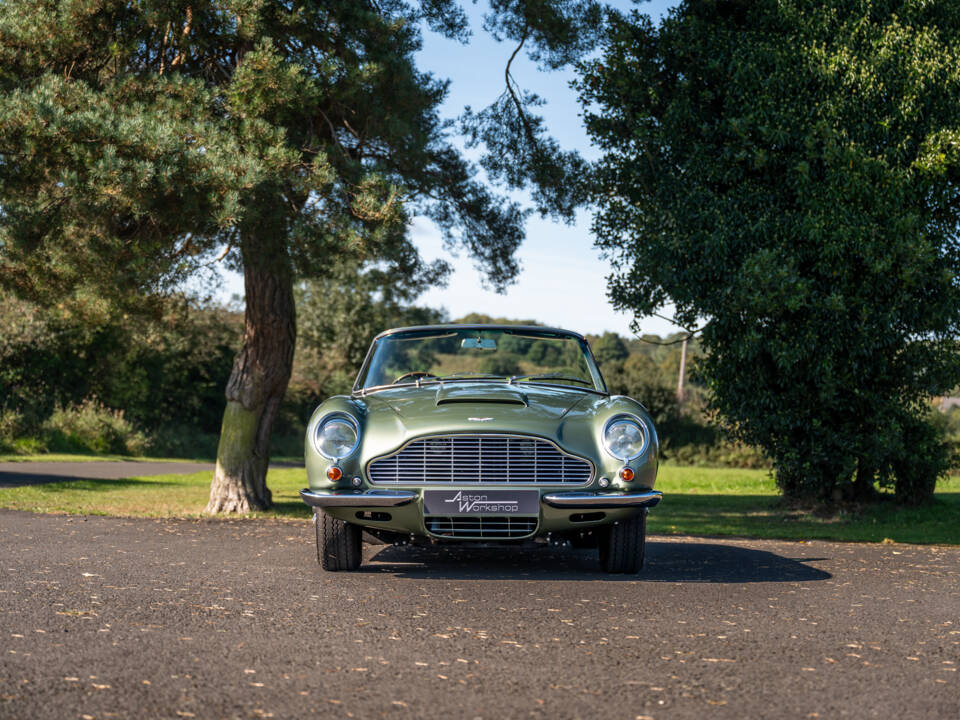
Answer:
x=339 y=543
x=622 y=545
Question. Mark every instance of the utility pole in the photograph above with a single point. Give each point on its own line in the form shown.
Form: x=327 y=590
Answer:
x=683 y=370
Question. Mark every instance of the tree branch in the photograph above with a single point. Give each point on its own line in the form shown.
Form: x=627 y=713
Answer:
x=186 y=31
x=163 y=49
x=671 y=342
x=531 y=136
x=333 y=132
x=672 y=321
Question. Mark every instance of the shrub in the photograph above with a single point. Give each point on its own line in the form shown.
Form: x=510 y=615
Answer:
x=925 y=459
x=9 y=429
x=717 y=454
x=949 y=423
x=30 y=445
x=166 y=368
x=18 y=435
x=92 y=427
x=182 y=441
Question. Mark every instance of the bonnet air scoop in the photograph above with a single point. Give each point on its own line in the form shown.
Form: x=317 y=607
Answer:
x=480 y=393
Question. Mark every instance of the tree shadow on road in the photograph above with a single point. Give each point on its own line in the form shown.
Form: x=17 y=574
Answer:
x=680 y=562
x=713 y=563
x=55 y=483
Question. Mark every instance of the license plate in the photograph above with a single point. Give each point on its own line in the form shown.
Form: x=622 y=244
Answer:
x=481 y=502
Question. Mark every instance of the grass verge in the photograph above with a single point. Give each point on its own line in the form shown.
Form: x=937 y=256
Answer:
x=727 y=501
x=698 y=501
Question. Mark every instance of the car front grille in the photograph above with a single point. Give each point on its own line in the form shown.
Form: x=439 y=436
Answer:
x=475 y=459
x=487 y=527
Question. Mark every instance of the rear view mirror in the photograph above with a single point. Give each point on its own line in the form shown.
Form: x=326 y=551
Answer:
x=479 y=343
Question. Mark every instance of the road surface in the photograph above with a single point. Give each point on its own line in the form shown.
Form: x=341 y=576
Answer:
x=115 y=618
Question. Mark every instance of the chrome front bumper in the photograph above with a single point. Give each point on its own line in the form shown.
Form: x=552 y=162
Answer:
x=603 y=501
x=395 y=498
x=357 y=498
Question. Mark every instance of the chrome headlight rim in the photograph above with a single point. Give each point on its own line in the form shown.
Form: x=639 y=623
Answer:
x=336 y=417
x=635 y=420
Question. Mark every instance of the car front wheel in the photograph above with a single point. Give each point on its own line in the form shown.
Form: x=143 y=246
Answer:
x=622 y=545
x=339 y=543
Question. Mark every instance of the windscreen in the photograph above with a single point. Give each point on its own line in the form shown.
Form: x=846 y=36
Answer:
x=493 y=355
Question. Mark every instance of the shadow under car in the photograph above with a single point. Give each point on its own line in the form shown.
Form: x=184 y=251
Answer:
x=687 y=562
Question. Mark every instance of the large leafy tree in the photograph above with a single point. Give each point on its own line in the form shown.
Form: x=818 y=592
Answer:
x=142 y=139
x=787 y=173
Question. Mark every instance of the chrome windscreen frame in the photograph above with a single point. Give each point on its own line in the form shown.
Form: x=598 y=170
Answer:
x=600 y=385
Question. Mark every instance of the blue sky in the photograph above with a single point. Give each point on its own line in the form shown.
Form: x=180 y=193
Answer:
x=563 y=279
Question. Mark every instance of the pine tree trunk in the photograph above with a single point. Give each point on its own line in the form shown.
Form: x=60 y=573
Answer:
x=258 y=382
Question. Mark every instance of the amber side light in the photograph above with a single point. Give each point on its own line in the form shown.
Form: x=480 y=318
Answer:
x=626 y=474
x=334 y=473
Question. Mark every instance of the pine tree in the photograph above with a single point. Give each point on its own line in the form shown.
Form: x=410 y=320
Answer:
x=140 y=141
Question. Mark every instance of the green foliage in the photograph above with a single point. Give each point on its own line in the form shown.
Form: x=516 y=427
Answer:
x=610 y=347
x=11 y=430
x=505 y=364
x=136 y=140
x=92 y=427
x=922 y=460
x=184 y=441
x=642 y=378
x=340 y=313
x=162 y=372
x=949 y=423
x=687 y=434
x=788 y=174
x=88 y=428
x=689 y=442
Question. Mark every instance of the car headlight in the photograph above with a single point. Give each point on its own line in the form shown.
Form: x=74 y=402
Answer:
x=625 y=437
x=336 y=436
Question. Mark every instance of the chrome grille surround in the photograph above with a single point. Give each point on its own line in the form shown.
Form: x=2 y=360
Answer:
x=480 y=458
x=481 y=527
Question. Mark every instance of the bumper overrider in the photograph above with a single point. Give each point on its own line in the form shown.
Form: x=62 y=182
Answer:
x=361 y=499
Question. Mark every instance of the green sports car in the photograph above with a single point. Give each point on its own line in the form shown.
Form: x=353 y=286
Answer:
x=481 y=433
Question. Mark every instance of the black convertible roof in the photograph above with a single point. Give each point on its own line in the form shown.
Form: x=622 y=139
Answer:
x=532 y=329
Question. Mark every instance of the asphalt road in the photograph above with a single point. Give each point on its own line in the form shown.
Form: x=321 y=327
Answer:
x=113 y=618
x=13 y=474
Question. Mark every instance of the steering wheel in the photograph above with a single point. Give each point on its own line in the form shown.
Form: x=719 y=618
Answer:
x=418 y=374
